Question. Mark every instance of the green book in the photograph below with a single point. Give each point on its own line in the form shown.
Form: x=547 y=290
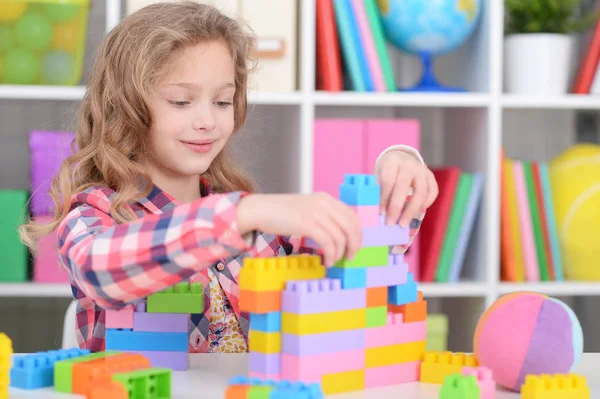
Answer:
x=14 y=255
x=538 y=233
x=380 y=44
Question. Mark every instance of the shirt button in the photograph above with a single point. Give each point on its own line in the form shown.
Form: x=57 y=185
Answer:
x=220 y=266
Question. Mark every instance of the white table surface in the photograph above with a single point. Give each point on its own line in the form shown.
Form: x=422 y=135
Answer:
x=209 y=373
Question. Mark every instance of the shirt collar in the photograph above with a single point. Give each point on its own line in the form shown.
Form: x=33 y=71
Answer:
x=159 y=201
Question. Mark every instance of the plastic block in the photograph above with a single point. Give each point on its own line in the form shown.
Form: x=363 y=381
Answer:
x=148 y=383
x=99 y=372
x=314 y=344
x=557 y=386
x=182 y=298
x=237 y=392
x=46 y=268
x=368 y=215
x=122 y=318
x=436 y=366
x=63 y=370
x=392 y=375
x=112 y=390
x=271 y=274
x=360 y=189
x=260 y=392
x=146 y=340
x=264 y=342
x=394 y=354
x=36 y=370
x=249 y=388
x=311 y=367
x=377 y=296
x=174 y=360
x=161 y=322
x=346 y=381
x=14 y=253
x=6 y=353
x=376 y=317
x=263 y=376
x=485 y=380
x=395 y=332
x=394 y=274
x=459 y=387
x=367 y=257
x=297 y=390
x=317 y=323
x=412 y=312
x=260 y=301
x=265 y=363
x=383 y=234
x=267 y=322
x=350 y=277
x=319 y=296
x=403 y=293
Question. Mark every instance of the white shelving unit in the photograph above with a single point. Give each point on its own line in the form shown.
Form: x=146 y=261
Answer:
x=464 y=129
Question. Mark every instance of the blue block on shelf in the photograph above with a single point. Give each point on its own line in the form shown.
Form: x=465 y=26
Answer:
x=403 y=293
x=360 y=189
x=267 y=322
x=351 y=277
x=117 y=339
x=36 y=370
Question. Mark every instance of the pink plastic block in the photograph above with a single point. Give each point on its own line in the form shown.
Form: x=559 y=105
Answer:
x=265 y=363
x=394 y=274
x=321 y=295
x=306 y=368
x=122 y=318
x=392 y=375
x=46 y=268
x=411 y=257
x=375 y=236
x=485 y=380
x=313 y=344
x=368 y=215
x=395 y=332
x=173 y=360
x=161 y=322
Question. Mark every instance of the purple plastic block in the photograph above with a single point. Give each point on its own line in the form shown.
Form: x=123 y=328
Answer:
x=314 y=344
x=321 y=295
x=265 y=363
x=172 y=360
x=48 y=150
x=140 y=307
x=395 y=273
x=161 y=322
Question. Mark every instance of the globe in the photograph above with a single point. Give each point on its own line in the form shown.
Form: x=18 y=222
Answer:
x=429 y=28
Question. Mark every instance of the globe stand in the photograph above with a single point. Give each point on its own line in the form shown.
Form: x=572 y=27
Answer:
x=428 y=81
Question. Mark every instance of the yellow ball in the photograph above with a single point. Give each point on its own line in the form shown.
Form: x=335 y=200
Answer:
x=67 y=36
x=575 y=185
x=12 y=11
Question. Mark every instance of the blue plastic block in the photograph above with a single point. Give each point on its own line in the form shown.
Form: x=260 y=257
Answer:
x=360 y=189
x=267 y=322
x=253 y=381
x=297 y=390
x=117 y=339
x=355 y=277
x=36 y=370
x=403 y=293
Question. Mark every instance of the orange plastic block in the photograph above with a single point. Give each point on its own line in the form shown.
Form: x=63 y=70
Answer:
x=271 y=274
x=260 y=302
x=436 y=366
x=556 y=386
x=111 y=389
x=237 y=392
x=377 y=296
x=99 y=372
x=411 y=312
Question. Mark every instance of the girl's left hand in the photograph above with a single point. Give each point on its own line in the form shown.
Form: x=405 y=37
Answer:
x=398 y=172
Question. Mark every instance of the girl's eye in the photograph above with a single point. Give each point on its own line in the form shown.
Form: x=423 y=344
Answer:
x=179 y=103
x=224 y=103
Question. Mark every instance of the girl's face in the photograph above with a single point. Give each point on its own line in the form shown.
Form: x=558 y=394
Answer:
x=192 y=110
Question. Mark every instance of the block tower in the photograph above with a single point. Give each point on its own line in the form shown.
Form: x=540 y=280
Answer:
x=359 y=324
x=157 y=328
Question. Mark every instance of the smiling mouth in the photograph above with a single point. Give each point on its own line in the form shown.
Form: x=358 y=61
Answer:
x=199 y=146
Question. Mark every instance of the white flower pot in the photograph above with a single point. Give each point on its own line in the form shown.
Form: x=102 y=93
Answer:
x=538 y=63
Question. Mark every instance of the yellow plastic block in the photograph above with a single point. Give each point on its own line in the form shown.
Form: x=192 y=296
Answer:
x=270 y=274
x=346 y=381
x=395 y=354
x=264 y=342
x=6 y=352
x=318 y=323
x=437 y=365
x=556 y=386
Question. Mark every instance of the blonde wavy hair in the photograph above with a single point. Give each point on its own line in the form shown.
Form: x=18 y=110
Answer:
x=114 y=119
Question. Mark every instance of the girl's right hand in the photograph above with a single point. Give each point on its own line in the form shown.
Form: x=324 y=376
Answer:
x=332 y=224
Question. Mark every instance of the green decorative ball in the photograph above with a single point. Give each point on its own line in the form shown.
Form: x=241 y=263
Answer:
x=58 y=68
x=33 y=32
x=20 y=67
x=6 y=38
x=61 y=12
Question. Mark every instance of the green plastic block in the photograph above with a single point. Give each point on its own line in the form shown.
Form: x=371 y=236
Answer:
x=14 y=256
x=63 y=370
x=459 y=386
x=181 y=298
x=146 y=383
x=260 y=392
x=367 y=257
x=377 y=317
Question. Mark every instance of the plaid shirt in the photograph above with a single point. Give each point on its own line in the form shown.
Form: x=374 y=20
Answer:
x=112 y=265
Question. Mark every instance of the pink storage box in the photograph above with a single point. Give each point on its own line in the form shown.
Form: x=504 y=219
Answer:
x=46 y=268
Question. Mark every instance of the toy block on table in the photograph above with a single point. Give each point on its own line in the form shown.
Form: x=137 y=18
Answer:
x=184 y=297
x=485 y=380
x=6 y=353
x=146 y=383
x=360 y=189
x=437 y=366
x=413 y=311
x=242 y=387
x=63 y=370
x=557 y=386
x=112 y=390
x=459 y=386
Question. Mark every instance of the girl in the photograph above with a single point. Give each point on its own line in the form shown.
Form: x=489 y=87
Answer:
x=152 y=198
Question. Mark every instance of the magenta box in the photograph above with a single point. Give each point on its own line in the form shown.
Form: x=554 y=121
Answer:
x=47 y=152
x=46 y=268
